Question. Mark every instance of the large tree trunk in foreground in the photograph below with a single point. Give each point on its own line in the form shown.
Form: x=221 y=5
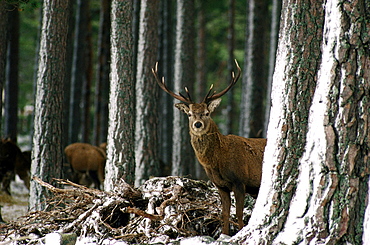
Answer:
x=315 y=176
x=121 y=130
x=47 y=140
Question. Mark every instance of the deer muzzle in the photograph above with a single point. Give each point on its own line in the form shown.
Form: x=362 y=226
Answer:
x=198 y=124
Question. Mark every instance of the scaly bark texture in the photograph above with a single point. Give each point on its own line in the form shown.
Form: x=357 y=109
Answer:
x=316 y=168
x=183 y=159
x=121 y=131
x=47 y=155
x=146 y=139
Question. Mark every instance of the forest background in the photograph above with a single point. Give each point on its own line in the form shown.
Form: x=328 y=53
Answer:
x=315 y=181
x=221 y=35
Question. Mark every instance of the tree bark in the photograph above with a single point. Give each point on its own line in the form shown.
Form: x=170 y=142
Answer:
x=3 y=48
x=11 y=82
x=252 y=108
x=81 y=75
x=230 y=108
x=146 y=139
x=165 y=106
x=183 y=159
x=47 y=140
x=121 y=130
x=316 y=168
x=102 y=75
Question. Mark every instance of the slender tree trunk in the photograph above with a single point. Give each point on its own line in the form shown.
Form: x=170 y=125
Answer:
x=3 y=48
x=146 y=139
x=87 y=79
x=165 y=106
x=81 y=75
x=254 y=74
x=121 y=131
x=201 y=71
x=11 y=82
x=47 y=141
x=102 y=75
x=315 y=182
x=230 y=117
x=183 y=159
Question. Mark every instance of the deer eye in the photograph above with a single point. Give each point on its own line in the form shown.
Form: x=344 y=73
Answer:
x=207 y=114
x=189 y=115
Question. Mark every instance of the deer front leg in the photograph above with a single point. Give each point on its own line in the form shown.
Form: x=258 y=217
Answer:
x=239 y=205
x=226 y=203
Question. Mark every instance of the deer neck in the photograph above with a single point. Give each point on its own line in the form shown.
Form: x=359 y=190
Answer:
x=206 y=144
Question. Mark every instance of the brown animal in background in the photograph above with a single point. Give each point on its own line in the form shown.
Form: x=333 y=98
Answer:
x=86 y=158
x=233 y=163
x=12 y=162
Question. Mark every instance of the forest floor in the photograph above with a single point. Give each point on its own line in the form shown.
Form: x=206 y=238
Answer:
x=15 y=205
x=168 y=210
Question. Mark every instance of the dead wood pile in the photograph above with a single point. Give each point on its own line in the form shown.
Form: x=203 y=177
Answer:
x=162 y=209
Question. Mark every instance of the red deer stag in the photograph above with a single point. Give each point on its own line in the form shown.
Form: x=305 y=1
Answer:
x=232 y=163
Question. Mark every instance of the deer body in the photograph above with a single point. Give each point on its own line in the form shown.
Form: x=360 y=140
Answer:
x=233 y=163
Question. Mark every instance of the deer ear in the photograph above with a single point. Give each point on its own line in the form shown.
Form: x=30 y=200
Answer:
x=213 y=104
x=182 y=107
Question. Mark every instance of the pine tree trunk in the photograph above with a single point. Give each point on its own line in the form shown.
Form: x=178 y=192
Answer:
x=230 y=109
x=146 y=140
x=316 y=168
x=252 y=109
x=165 y=107
x=81 y=75
x=121 y=131
x=11 y=82
x=102 y=75
x=3 y=33
x=47 y=140
x=183 y=159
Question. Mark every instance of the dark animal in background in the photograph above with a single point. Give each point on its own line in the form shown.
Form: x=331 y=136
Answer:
x=87 y=159
x=232 y=163
x=12 y=162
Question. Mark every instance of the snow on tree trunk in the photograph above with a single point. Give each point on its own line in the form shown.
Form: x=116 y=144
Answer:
x=47 y=140
x=121 y=131
x=146 y=140
x=315 y=176
x=183 y=159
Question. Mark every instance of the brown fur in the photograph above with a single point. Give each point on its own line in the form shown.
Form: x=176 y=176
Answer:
x=86 y=158
x=13 y=161
x=233 y=163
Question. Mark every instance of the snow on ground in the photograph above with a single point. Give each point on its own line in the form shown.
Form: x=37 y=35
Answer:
x=16 y=205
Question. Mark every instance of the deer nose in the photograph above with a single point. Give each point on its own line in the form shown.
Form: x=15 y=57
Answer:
x=198 y=124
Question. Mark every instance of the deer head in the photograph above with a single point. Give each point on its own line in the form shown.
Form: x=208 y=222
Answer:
x=199 y=113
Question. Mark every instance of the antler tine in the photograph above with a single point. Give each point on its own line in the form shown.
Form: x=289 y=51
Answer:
x=233 y=81
x=163 y=86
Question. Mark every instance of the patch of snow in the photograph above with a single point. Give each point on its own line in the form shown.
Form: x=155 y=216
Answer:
x=366 y=232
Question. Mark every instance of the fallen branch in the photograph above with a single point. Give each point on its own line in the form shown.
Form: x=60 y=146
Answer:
x=142 y=213
x=176 y=192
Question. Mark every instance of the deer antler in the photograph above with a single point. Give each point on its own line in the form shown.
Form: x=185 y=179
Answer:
x=163 y=86
x=208 y=98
